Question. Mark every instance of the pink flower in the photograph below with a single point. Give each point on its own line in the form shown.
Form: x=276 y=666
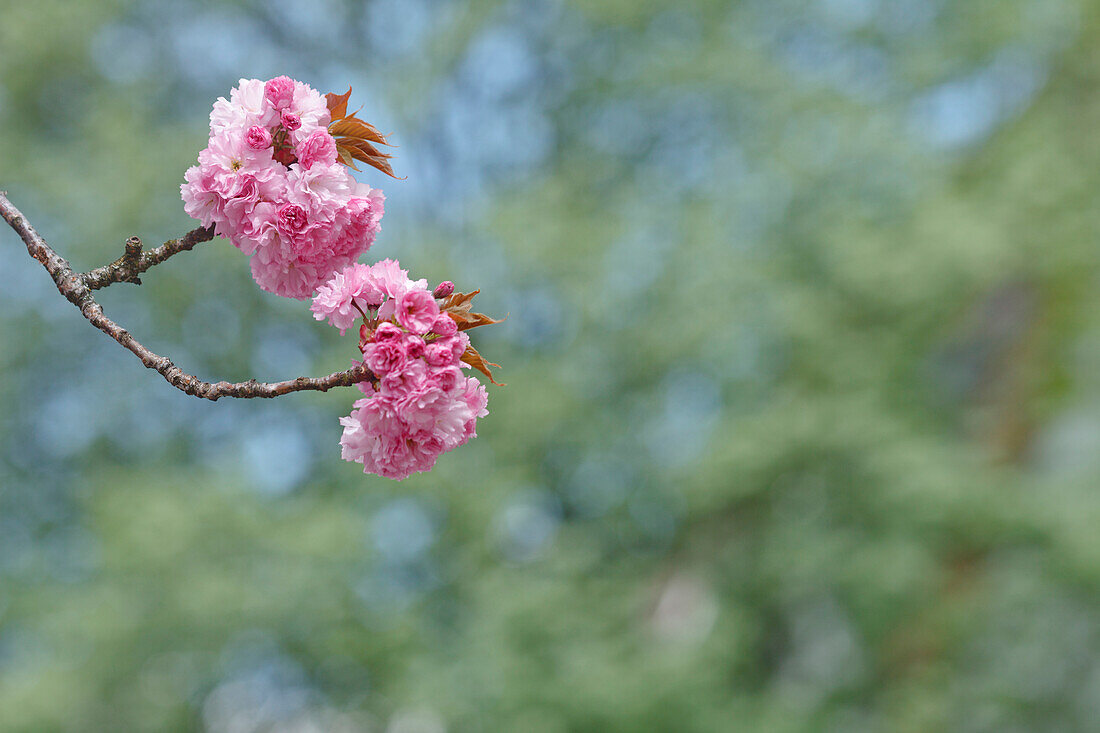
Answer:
x=444 y=325
x=460 y=342
x=240 y=200
x=292 y=221
x=346 y=296
x=290 y=280
x=291 y=121
x=258 y=137
x=227 y=153
x=426 y=410
x=387 y=331
x=383 y=453
x=311 y=108
x=414 y=345
x=318 y=147
x=355 y=226
x=245 y=107
x=294 y=208
x=323 y=188
x=200 y=197
x=402 y=383
x=438 y=354
x=256 y=229
x=421 y=405
x=391 y=278
x=417 y=310
x=383 y=357
x=477 y=400
x=449 y=378
x=457 y=345
x=279 y=92
x=304 y=221
x=405 y=425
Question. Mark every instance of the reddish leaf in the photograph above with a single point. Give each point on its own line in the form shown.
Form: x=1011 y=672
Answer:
x=346 y=157
x=459 y=302
x=354 y=137
x=338 y=104
x=364 y=151
x=352 y=126
x=474 y=359
x=363 y=147
x=466 y=321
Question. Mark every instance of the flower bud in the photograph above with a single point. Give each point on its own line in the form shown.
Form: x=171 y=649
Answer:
x=291 y=121
x=258 y=137
x=443 y=289
x=387 y=331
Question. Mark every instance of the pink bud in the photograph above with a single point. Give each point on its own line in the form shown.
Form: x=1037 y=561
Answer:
x=443 y=289
x=258 y=137
x=291 y=121
x=279 y=91
x=386 y=331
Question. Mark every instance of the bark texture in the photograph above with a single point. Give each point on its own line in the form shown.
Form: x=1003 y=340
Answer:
x=78 y=287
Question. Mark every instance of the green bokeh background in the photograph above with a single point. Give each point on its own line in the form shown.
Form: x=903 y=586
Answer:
x=802 y=424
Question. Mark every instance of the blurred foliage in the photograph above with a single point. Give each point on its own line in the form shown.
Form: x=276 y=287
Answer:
x=802 y=429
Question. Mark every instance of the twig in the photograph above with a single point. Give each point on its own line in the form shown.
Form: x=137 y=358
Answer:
x=77 y=289
x=129 y=267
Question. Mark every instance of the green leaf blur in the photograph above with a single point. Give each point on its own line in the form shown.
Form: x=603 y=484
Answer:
x=802 y=424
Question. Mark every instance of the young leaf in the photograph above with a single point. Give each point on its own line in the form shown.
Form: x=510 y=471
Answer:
x=459 y=302
x=466 y=321
x=352 y=126
x=474 y=359
x=364 y=151
x=338 y=104
x=364 y=147
x=459 y=307
x=346 y=157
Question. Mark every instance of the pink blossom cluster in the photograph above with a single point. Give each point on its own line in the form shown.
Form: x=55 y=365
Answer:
x=270 y=180
x=421 y=405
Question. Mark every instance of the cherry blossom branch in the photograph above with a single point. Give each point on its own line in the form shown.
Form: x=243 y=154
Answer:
x=130 y=265
x=77 y=289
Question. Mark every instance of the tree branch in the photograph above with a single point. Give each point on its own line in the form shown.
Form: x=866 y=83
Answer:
x=77 y=289
x=129 y=267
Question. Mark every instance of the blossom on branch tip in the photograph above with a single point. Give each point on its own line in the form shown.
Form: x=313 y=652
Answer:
x=272 y=181
x=421 y=405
